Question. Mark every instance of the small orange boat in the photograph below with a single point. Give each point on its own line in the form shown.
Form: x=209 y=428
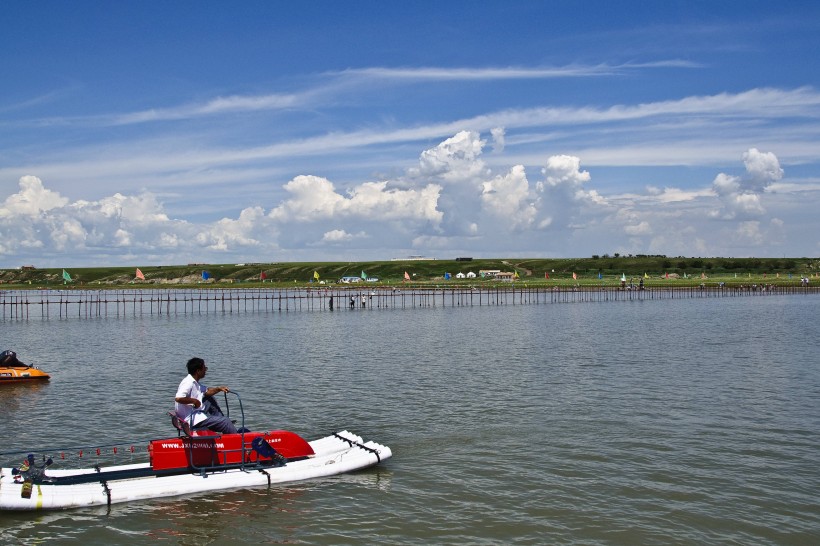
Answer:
x=14 y=371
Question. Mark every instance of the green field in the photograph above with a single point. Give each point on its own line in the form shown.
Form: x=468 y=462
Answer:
x=593 y=271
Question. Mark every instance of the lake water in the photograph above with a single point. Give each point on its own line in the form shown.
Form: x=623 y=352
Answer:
x=647 y=422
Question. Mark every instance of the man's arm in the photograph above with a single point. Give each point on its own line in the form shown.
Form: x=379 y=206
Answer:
x=210 y=391
x=188 y=400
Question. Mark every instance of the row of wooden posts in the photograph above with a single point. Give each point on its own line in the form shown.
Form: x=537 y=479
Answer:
x=38 y=304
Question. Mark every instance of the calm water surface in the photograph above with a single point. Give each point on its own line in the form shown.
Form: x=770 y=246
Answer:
x=654 y=422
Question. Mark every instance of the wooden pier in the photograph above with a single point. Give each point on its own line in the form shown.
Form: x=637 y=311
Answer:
x=65 y=304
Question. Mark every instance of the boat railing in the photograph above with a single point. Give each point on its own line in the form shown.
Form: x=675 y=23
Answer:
x=221 y=457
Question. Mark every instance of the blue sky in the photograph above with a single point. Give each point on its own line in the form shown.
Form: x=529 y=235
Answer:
x=149 y=133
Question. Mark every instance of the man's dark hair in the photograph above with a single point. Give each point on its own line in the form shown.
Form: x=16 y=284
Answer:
x=195 y=364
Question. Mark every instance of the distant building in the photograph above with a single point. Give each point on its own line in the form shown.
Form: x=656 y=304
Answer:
x=348 y=280
x=488 y=273
x=467 y=259
x=505 y=276
x=416 y=257
x=460 y=275
x=27 y=268
x=470 y=275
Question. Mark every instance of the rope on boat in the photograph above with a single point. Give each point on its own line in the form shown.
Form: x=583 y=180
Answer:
x=262 y=470
x=351 y=443
x=107 y=491
x=79 y=452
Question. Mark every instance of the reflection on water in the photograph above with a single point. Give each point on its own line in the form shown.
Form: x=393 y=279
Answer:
x=692 y=421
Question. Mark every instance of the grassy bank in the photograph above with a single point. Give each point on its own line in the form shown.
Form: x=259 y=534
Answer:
x=593 y=271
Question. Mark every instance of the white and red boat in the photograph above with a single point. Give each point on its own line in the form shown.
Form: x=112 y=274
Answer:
x=192 y=462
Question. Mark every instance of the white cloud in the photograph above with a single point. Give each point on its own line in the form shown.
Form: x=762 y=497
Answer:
x=498 y=134
x=451 y=202
x=741 y=196
x=508 y=198
x=763 y=169
x=31 y=200
x=565 y=171
x=315 y=198
x=455 y=159
x=643 y=228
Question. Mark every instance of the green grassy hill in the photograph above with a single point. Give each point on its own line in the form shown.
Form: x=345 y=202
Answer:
x=654 y=270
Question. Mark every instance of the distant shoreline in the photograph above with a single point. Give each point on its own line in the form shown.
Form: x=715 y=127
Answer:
x=597 y=271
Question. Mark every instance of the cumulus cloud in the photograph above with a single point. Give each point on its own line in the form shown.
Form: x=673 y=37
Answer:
x=451 y=201
x=508 y=197
x=314 y=198
x=456 y=159
x=763 y=169
x=741 y=195
x=31 y=200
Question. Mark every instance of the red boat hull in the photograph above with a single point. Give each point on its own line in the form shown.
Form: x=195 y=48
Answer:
x=206 y=450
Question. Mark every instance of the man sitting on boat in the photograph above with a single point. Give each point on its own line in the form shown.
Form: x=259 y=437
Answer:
x=9 y=359
x=194 y=402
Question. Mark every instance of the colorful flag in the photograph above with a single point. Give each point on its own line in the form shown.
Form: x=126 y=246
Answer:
x=546 y=275
x=205 y=275
x=139 y=274
x=515 y=275
x=66 y=276
x=574 y=276
x=446 y=276
x=262 y=276
x=645 y=276
x=364 y=275
x=316 y=275
x=667 y=275
x=623 y=277
x=406 y=276
x=600 y=276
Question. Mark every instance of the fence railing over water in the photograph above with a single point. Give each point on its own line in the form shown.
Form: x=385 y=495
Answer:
x=64 y=304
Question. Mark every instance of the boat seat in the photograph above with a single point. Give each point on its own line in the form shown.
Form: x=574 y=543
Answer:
x=182 y=426
x=185 y=429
